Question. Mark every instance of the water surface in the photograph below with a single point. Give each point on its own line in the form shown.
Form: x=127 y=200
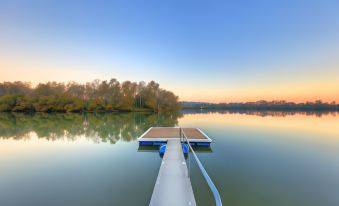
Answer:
x=256 y=158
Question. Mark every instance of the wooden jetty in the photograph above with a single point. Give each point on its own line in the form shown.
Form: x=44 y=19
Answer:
x=173 y=185
x=160 y=135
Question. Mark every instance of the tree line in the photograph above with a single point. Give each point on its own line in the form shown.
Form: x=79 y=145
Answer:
x=279 y=105
x=95 y=96
x=263 y=113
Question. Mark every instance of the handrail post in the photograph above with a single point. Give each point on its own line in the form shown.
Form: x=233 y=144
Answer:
x=189 y=163
x=180 y=135
x=203 y=171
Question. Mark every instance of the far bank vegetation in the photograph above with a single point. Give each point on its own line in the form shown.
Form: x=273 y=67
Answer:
x=95 y=96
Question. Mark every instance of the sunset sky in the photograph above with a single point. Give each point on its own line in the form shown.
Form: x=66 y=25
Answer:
x=216 y=51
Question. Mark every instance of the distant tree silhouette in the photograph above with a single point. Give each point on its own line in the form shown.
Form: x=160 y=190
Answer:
x=280 y=105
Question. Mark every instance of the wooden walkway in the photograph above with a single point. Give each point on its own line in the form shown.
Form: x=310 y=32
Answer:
x=160 y=135
x=173 y=186
x=173 y=132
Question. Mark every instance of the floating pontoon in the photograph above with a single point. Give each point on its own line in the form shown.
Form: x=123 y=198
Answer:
x=160 y=135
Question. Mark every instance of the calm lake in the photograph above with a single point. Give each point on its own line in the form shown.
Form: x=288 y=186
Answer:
x=256 y=158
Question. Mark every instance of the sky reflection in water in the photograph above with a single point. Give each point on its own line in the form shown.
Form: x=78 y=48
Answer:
x=256 y=158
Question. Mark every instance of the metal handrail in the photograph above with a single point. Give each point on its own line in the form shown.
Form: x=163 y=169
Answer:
x=203 y=171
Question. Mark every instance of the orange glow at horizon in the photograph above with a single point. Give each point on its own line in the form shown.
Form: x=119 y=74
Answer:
x=326 y=91
x=315 y=87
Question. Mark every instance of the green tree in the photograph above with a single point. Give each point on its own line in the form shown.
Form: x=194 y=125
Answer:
x=151 y=95
x=96 y=96
x=23 y=104
x=7 y=102
x=128 y=91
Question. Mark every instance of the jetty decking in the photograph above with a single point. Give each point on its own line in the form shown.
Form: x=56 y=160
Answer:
x=160 y=135
x=173 y=185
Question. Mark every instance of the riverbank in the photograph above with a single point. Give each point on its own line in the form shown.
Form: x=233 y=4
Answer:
x=264 y=106
x=96 y=96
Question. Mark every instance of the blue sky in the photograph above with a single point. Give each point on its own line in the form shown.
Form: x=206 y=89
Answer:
x=201 y=50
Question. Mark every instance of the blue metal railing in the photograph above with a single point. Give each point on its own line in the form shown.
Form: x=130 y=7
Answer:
x=203 y=171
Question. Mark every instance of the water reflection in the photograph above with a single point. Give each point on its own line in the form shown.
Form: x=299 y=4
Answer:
x=264 y=158
x=262 y=113
x=97 y=127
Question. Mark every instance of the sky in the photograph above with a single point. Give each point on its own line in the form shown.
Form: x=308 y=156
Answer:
x=215 y=51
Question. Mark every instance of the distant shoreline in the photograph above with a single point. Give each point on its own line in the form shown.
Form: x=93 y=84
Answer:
x=264 y=106
x=265 y=109
x=187 y=111
x=262 y=113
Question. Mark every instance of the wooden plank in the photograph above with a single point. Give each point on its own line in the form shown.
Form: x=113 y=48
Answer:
x=163 y=132
x=173 y=186
x=173 y=132
x=194 y=133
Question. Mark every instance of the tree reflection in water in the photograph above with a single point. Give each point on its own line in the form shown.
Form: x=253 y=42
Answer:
x=96 y=127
